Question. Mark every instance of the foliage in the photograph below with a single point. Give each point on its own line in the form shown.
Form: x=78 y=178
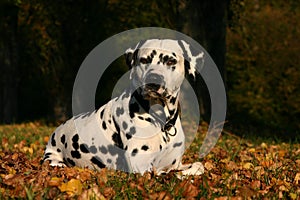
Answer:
x=234 y=169
x=263 y=64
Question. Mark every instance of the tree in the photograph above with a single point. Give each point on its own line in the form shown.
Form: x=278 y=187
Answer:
x=205 y=21
x=8 y=62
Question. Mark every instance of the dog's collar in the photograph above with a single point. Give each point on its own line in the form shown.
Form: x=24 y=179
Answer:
x=169 y=125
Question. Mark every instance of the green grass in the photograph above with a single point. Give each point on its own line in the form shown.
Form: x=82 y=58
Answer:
x=236 y=168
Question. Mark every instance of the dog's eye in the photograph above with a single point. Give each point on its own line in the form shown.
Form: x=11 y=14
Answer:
x=143 y=61
x=171 y=62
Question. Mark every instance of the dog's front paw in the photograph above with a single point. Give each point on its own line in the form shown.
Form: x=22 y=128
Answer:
x=194 y=169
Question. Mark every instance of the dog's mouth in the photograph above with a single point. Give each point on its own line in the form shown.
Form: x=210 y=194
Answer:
x=154 y=87
x=153 y=91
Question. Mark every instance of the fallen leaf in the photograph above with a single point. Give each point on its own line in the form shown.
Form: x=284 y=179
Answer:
x=72 y=187
x=248 y=165
x=55 y=182
x=264 y=145
x=208 y=166
x=293 y=196
x=255 y=184
x=92 y=193
x=297 y=179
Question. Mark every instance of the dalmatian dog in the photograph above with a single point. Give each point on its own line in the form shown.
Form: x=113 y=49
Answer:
x=140 y=130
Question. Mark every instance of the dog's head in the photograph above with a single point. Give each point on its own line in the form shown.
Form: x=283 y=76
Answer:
x=158 y=67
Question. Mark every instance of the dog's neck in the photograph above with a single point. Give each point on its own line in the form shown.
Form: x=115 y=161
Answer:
x=164 y=111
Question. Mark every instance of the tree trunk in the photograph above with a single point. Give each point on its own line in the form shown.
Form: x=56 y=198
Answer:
x=8 y=63
x=205 y=22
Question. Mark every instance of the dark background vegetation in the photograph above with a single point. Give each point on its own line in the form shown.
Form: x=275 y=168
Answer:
x=255 y=44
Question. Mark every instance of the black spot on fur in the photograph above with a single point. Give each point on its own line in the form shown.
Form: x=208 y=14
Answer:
x=75 y=145
x=128 y=136
x=173 y=68
x=132 y=130
x=149 y=58
x=172 y=112
x=116 y=126
x=141 y=118
x=75 y=154
x=148 y=119
x=58 y=150
x=117 y=140
x=133 y=108
x=63 y=139
x=165 y=59
x=154 y=52
x=48 y=154
x=75 y=138
x=104 y=125
x=101 y=114
x=145 y=147
x=174 y=161
x=160 y=147
x=160 y=56
x=173 y=100
x=84 y=148
x=46 y=157
x=71 y=162
x=97 y=161
x=124 y=124
x=66 y=145
x=165 y=140
x=119 y=111
x=134 y=152
x=93 y=149
x=178 y=144
x=174 y=54
x=103 y=149
x=53 y=142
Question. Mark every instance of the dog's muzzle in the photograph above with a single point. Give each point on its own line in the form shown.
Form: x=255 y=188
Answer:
x=154 y=85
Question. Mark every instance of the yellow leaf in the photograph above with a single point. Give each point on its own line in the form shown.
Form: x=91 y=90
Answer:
x=251 y=150
x=72 y=187
x=297 y=179
x=248 y=165
x=264 y=145
x=293 y=196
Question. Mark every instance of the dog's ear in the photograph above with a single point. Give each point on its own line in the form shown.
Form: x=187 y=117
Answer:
x=129 y=57
x=193 y=59
x=131 y=54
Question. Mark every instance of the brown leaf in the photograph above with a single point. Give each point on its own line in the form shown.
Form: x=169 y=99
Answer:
x=255 y=184
x=92 y=193
x=55 y=182
x=208 y=166
x=187 y=189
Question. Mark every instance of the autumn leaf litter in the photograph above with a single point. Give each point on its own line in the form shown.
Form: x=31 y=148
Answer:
x=234 y=169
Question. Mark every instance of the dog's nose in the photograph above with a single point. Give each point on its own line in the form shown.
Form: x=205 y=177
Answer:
x=154 y=81
x=154 y=78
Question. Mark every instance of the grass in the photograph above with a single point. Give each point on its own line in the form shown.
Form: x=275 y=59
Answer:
x=236 y=168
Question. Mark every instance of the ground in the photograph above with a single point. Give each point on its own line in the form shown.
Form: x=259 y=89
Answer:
x=237 y=168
